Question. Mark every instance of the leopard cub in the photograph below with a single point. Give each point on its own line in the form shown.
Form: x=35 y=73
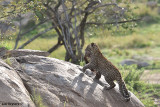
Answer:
x=104 y=67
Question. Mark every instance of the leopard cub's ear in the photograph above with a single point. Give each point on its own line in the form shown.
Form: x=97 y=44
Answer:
x=92 y=44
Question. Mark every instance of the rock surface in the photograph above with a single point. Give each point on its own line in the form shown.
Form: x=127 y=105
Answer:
x=12 y=90
x=139 y=63
x=21 y=52
x=61 y=83
x=128 y=62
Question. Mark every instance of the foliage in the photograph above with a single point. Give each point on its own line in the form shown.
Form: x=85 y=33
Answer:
x=36 y=97
x=144 y=91
x=8 y=61
x=5 y=44
x=68 y=19
x=134 y=74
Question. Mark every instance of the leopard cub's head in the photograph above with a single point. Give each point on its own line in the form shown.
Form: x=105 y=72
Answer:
x=91 y=49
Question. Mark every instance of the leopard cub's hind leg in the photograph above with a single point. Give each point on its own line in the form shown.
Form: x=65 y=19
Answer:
x=98 y=76
x=110 y=82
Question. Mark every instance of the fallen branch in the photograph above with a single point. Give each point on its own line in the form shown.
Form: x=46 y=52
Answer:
x=96 y=23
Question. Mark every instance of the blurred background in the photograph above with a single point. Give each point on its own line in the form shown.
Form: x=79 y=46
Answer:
x=127 y=32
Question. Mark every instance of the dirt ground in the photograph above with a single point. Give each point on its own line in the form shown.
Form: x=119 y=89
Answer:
x=152 y=78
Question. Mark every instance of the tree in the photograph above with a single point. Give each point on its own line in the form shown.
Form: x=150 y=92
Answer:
x=69 y=19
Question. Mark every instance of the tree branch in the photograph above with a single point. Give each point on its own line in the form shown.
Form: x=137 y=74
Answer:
x=40 y=23
x=18 y=36
x=83 y=22
x=26 y=43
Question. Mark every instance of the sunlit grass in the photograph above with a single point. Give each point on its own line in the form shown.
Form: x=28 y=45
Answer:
x=116 y=45
x=7 y=44
x=124 y=42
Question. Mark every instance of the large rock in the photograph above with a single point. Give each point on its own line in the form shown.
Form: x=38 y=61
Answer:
x=60 y=84
x=128 y=62
x=139 y=63
x=12 y=91
x=22 y=52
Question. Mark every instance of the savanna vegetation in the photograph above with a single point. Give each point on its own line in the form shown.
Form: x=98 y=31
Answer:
x=140 y=37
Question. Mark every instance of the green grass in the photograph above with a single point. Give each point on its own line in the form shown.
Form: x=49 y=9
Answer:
x=6 y=44
x=39 y=44
x=144 y=91
x=36 y=97
x=8 y=61
x=117 y=47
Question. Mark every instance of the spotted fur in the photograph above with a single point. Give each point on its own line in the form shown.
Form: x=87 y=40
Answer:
x=104 y=67
x=98 y=74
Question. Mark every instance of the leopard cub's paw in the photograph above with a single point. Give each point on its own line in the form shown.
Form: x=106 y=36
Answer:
x=107 y=87
x=81 y=69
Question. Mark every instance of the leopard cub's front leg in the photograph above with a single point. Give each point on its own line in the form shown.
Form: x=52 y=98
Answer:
x=88 y=66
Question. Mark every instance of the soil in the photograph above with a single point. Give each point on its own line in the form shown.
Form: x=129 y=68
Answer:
x=152 y=78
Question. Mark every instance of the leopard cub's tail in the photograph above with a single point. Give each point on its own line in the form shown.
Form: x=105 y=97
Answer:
x=123 y=90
